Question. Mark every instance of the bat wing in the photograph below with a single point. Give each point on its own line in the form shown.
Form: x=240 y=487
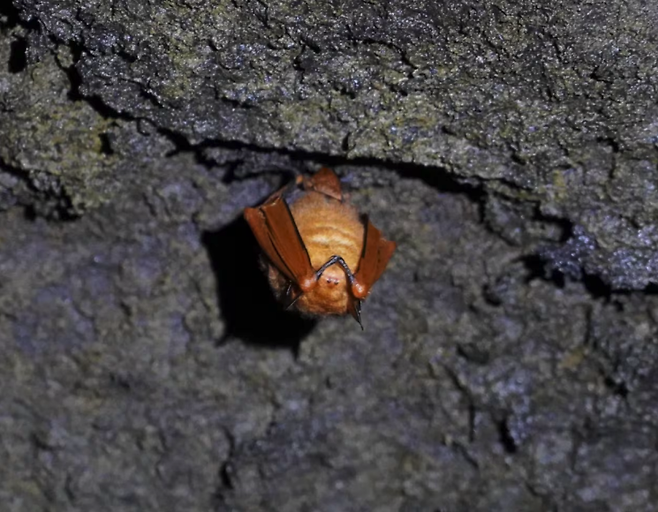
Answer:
x=326 y=182
x=374 y=258
x=276 y=233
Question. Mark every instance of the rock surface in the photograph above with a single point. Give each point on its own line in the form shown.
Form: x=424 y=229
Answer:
x=509 y=356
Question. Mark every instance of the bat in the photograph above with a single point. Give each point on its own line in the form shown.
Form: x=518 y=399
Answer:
x=322 y=257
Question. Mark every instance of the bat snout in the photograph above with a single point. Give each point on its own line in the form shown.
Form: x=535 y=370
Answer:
x=333 y=276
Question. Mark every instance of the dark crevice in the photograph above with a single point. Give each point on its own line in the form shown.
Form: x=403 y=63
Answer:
x=610 y=142
x=651 y=289
x=225 y=475
x=102 y=108
x=591 y=432
x=75 y=80
x=539 y=267
x=345 y=143
x=106 y=144
x=619 y=389
x=50 y=204
x=522 y=223
x=435 y=177
x=128 y=57
x=29 y=213
x=597 y=287
x=18 y=56
x=106 y=110
x=440 y=180
x=288 y=172
x=536 y=268
x=180 y=142
x=310 y=43
x=226 y=471
x=473 y=353
x=150 y=97
x=233 y=103
x=120 y=381
x=548 y=265
x=505 y=437
x=72 y=73
x=9 y=17
x=565 y=225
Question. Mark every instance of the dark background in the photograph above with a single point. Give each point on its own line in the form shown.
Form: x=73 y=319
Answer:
x=509 y=355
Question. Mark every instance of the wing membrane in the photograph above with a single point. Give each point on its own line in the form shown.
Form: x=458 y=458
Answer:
x=276 y=233
x=377 y=251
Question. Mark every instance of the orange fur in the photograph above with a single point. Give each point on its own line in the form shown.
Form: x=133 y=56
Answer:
x=327 y=227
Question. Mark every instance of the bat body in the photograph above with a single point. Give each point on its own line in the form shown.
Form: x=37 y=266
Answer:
x=322 y=257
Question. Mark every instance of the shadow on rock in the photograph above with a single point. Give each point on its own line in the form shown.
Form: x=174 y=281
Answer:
x=247 y=305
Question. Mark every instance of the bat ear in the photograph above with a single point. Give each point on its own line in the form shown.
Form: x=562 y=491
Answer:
x=354 y=307
x=326 y=182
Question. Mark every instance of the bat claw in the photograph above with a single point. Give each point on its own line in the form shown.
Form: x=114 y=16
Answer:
x=355 y=310
x=291 y=298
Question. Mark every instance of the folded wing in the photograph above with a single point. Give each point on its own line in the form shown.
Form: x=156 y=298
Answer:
x=276 y=233
x=377 y=251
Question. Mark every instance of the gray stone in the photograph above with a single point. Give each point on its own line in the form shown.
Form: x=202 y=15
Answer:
x=508 y=357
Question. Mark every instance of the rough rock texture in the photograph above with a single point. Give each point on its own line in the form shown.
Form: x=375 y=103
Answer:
x=509 y=356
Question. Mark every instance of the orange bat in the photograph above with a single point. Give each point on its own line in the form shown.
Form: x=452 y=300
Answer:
x=323 y=258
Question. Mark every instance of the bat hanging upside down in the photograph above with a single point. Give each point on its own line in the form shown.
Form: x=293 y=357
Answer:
x=323 y=257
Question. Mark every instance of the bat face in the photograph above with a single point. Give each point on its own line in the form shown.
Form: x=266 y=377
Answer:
x=322 y=258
